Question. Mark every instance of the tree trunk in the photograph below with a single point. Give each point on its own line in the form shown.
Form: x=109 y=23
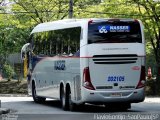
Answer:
x=157 y=83
x=158 y=74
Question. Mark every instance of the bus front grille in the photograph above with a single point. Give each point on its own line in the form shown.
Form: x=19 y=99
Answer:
x=115 y=59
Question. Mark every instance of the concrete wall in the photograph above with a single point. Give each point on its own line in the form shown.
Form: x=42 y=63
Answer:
x=14 y=58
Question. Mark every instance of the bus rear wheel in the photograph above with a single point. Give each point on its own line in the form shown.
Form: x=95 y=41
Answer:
x=72 y=106
x=35 y=97
x=66 y=102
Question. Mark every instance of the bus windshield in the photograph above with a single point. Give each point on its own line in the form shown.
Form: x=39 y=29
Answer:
x=114 y=32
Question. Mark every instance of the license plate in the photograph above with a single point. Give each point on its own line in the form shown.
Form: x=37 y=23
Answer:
x=116 y=94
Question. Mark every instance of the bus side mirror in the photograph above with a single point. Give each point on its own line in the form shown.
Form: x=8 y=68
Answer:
x=23 y=55
x=24 y=50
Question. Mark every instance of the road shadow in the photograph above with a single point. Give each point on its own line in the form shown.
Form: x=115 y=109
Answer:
x=55 y=104
x=88 y=108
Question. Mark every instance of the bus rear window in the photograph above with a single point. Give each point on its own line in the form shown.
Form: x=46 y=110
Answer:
x=114 y=32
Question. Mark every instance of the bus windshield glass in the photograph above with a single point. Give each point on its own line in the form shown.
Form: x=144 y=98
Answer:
x=114 y=32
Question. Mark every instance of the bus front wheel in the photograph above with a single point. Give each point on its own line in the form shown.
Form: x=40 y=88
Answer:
x=35 y=97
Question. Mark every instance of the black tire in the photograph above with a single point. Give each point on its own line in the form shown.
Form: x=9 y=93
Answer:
x=35 y=97
x=64 y=100
x=72 y=106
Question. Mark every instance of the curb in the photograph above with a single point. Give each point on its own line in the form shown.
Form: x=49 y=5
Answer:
x=13 y=95
x=152 y=100
x=4 y=110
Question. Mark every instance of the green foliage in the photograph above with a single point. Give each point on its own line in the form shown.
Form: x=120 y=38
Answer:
x=8 y=71
x=40 y=11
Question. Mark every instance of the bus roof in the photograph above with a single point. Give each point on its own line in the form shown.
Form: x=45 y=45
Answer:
x=68 y=23
x=55 y=25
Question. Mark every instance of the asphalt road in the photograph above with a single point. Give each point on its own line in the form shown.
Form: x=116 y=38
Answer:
x=23 y=108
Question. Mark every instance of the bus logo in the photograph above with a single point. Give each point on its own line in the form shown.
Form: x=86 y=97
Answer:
x=108 y=28
x=102 y=29
x=59 y=65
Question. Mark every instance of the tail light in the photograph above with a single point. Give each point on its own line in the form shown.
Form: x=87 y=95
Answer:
x=90 y=21
x=142 y=80
x=87 y=80
x=136 y=20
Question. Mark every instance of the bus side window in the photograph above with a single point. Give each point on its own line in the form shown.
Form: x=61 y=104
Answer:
x=58 y=42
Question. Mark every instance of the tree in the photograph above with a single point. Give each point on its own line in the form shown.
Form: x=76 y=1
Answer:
x=41 y=11
x=150 y=15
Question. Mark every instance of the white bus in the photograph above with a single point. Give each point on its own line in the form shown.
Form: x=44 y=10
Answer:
x=96 y=61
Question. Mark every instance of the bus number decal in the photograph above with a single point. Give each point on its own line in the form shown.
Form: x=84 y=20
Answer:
x=59 y=65
x=116 y=78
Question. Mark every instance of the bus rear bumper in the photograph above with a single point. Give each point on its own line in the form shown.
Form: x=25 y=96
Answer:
x=126 y=96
